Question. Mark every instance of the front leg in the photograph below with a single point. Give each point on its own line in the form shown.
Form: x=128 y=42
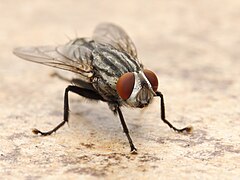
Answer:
x=125 y=130
x=186 y=129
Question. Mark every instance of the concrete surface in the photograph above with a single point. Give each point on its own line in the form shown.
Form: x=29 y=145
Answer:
x=193 y=46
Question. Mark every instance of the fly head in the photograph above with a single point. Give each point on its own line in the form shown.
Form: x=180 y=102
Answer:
x=137 y=89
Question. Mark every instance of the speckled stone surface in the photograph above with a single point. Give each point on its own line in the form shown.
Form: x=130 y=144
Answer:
x=193 y=46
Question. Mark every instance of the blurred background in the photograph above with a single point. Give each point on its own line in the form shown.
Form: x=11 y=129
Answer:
x=193 y=46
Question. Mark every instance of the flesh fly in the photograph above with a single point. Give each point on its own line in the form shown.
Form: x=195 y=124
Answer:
x=106 y=68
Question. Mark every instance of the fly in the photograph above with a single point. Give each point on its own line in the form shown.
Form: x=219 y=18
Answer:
x=106 y=68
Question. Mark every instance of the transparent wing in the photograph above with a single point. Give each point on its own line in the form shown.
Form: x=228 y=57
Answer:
x=107 y=33
x=68 y=57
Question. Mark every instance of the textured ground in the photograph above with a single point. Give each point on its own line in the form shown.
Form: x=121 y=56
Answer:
x=193 y=46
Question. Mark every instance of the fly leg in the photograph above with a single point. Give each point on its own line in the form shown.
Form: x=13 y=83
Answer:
x=186 y=129
x=125 y=130
x=65 y=114
x=75 y=89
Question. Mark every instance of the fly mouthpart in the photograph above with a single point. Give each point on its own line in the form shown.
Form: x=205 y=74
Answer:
x=144 y=96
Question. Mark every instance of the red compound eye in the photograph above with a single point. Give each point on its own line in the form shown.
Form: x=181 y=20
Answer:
x=125 y=85
x=151 y=76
